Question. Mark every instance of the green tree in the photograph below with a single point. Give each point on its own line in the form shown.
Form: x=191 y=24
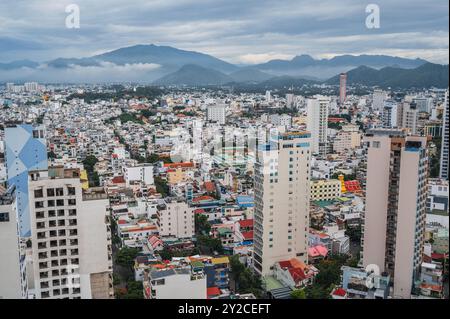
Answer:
x=298 y=294
x=161 y=186
x=202 y=225
x=126 y=256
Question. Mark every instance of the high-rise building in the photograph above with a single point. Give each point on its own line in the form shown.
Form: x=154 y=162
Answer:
x=9 y=87
x=13 y=281
x=282 y=194
x=396 y=192
x=268 y=97
x=216 y=113
x=378 y=99
x=317 y=123
x=71 y=236
x=290 y=101
x=342 y=88
x=25 y=149
x=444 y=146
x=408 y=117
x=390 y=114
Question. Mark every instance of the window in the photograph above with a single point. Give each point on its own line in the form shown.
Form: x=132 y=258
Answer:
x=71 y=191
x=60 y=191
x=50 y=192
x=38 y=193
x=4 y=217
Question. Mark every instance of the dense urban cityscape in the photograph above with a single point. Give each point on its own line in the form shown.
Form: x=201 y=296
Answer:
x=127 y=191
x=224 y=157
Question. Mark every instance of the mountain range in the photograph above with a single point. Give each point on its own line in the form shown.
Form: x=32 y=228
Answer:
x=164 y=65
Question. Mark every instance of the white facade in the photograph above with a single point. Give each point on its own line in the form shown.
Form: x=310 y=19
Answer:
x=176 y=284
x=216 y=113
x=13 y=284
x=71 y=237
x=140 y=173
x=176 y=219
x=378 y=98
x=444 y=150
x=390 y=114
x=317 y=123
x=282 y=192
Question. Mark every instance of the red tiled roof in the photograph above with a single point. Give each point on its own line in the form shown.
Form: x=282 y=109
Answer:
x=118 y=180
x=246 y=223
x=352 y=186
x=202 y=198
x=209 y=186
x=213 y=292
x=317 y=251
x=248 y=235
x=437 y=256
x=340 y=292
x=179 y=165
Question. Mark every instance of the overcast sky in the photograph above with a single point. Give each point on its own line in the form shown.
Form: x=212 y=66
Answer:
x=238 y=31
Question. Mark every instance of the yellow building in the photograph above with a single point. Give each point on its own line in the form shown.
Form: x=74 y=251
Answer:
x=84 y=179
x=325 y=189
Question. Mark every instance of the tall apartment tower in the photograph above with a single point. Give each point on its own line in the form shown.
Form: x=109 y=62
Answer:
x=396 y=192
x=217 y=113
x=282 y=193
x=390 y=114
x=317 y=123
x=444 y=148
x=408 y=117
x=290 y=101
x=25 y=150
x=342 y=88
x=13 y=281
x=71 y=236
x=378 y=99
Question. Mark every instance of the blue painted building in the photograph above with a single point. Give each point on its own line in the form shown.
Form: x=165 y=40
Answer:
x=25 y=150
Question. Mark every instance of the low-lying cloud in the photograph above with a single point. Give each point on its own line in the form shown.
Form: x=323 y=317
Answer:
x=104 y=72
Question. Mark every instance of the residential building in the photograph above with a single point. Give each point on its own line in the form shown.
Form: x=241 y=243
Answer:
x=342 y=88
x=139 y=173
x=175 y=283
x=175 y=219
x=317 y=123
x=444 y=145
x=217 y=113
x=13 y=281
x=397 y=171
x=282 y=194
x=71 y=236
x=323 y=190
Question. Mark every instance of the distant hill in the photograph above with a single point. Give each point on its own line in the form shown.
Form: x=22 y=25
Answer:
x=305 y=65
x=425 y=76
x=165 y=56
x=286 y=81
x=194 y=75
x=148 y=63
x=250 y=75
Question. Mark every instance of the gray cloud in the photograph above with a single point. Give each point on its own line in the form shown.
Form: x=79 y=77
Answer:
x=249 y=31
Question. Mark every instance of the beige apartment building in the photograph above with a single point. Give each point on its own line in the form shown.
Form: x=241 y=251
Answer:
x=394 y=223
x=282 y=195
x=325 y=189
x=71 y=237
x=175 y=219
